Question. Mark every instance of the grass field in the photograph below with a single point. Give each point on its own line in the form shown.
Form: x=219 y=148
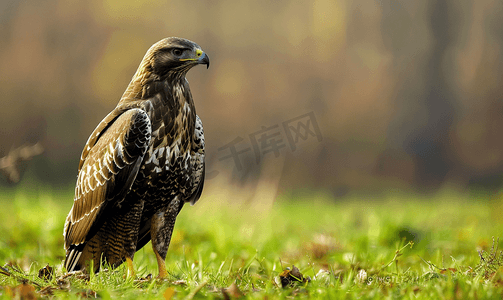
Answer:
x=223 y=249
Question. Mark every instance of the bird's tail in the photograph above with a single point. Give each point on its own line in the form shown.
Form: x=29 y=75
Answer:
x=72 y=259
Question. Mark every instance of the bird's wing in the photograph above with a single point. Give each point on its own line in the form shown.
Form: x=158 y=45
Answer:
x=109 y=165
x=197 y=153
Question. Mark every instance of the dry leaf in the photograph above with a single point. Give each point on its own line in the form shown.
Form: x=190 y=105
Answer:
x=76 y=274
x=46 y=273
x=4 y=271
x=290 y=277
x=233 y=291
x=47 y=291
x=225 y=294
x=25 y=291
x=63 y=283
x=87 y=294
x=147 y=278
x=179 y=282
x=168 y=293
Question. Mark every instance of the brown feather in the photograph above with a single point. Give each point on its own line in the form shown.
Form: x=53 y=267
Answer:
x=108 y=172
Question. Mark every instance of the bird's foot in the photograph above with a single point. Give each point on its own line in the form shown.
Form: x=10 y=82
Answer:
x=130 y=269
x=163 y=274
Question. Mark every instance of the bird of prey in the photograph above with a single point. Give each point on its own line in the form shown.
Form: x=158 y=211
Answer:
x=140 y=165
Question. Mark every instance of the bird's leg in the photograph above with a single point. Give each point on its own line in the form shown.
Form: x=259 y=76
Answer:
x=161 y=228
x=129 y=226
x=130 y=268
x=162 y=265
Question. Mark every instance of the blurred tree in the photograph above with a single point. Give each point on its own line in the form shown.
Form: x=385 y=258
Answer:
x=407 y=94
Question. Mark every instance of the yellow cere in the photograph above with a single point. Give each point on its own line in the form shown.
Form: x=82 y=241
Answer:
x=199 y=52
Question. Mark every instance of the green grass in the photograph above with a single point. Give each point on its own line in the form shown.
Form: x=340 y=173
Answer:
x=348 y=248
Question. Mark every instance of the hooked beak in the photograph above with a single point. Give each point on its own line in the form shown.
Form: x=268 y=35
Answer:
x=204 y=60
x=201 y=58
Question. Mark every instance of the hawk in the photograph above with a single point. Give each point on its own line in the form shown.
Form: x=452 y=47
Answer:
x=140 y=165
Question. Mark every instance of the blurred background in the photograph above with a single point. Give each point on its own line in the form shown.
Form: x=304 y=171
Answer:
x=365 y=96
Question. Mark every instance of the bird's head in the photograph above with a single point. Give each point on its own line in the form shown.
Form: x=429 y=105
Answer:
x=174 y=55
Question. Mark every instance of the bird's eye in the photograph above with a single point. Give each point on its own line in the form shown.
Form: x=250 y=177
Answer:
x=177 y=52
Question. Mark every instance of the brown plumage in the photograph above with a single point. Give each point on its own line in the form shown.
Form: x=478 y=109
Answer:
x=140 y=165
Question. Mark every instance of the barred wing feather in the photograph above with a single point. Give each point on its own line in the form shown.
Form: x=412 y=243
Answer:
x=107 y=171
